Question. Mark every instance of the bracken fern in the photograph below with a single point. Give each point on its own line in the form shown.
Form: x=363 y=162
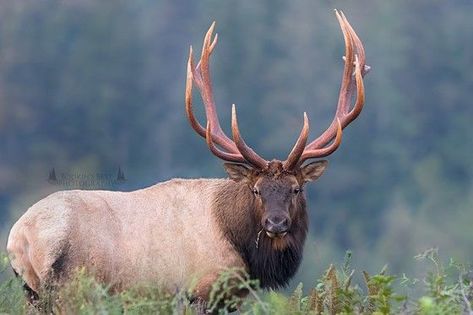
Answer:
x=447 y=289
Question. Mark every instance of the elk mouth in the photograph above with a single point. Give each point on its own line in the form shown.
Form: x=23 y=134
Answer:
x=275 y=235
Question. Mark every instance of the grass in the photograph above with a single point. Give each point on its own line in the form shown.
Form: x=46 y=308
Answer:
x=447 y=288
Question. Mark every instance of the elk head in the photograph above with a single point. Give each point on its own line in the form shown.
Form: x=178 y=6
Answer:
x=276 y=185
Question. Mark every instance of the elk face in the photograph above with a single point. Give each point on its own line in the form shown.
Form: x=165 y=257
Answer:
x=277 y=193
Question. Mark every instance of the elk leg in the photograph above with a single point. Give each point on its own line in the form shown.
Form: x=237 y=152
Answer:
x=203 y=290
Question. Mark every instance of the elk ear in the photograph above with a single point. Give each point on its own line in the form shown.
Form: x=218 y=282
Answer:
x=237 y=172
x=313 y=170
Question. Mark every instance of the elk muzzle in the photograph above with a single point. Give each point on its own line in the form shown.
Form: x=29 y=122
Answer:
x=276 y=225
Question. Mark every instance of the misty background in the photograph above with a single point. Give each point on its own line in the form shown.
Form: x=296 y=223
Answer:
x=91 y=87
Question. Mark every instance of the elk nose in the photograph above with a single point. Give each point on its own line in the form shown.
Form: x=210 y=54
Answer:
x=277 y=225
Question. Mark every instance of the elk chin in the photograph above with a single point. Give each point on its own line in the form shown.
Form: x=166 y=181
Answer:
x=279 y=241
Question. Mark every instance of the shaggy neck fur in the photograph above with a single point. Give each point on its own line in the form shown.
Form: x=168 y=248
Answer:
x=274 y=261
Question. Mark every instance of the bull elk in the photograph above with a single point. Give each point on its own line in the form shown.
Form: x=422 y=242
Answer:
x=187 y=231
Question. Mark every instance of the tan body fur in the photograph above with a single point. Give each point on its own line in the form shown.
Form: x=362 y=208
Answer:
x=164 y=234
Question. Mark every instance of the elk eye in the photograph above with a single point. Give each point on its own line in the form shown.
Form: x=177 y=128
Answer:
x=256 y=192
x=297 y=190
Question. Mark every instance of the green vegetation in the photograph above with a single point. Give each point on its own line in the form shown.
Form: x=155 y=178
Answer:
x=445 y=289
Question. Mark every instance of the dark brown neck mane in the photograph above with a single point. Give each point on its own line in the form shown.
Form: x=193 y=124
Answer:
x=272 y=264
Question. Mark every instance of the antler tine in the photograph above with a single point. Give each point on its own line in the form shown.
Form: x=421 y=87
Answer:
x=318 y=153
x=251 y=156
x=299 y=147
x=360 y=70
x=358 y=46
x=345 y=90
x=207 y=49
x=190 y=114
x=359 y=57
x=352 y=80
x=230 y=157
x=201 y=76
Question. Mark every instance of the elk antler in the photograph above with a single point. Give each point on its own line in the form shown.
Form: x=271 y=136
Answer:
x=233 y=151
x=353 y=73
x=237 y=150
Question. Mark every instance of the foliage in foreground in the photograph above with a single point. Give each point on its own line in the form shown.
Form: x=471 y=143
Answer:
x=446 y=289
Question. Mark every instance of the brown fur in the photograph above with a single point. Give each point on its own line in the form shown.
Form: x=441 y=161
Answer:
x=274 y=260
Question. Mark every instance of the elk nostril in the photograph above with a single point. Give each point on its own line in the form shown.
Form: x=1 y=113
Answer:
x=277 y=221
x=276 y=226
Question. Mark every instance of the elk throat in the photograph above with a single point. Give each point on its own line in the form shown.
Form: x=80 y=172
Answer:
x=272 y=261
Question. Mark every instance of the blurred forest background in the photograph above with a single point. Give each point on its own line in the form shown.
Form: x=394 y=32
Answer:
x=88 y=87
